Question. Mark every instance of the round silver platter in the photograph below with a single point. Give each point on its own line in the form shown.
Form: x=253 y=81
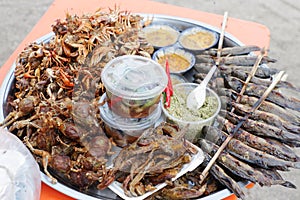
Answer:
x=93 y=194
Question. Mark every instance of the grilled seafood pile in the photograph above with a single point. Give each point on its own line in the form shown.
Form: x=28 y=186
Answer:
x=54 y=110
x=264 y=145
x=155 y=157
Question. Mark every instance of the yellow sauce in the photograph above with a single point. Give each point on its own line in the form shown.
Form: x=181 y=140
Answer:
x=199 y=40
x=161 y=37
x=176 y=62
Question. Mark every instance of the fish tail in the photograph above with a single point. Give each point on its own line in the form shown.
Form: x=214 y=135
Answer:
x=289 y=185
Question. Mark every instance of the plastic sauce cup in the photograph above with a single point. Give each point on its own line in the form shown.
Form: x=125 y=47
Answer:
x=134 y=85
x=194 y=126
x=125 y=131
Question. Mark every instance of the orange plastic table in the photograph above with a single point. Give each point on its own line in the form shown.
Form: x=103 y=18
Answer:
x=243 y=30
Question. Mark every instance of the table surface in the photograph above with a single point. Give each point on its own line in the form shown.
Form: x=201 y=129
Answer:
x=243 y=30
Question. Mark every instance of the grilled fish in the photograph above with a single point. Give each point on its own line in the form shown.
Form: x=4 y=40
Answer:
x=258 y=90
x=266 y=117
x=269 y=146
x=265 y=130
x=240 y=168
x=232 y=51
x=261 y=72
x=226 y=180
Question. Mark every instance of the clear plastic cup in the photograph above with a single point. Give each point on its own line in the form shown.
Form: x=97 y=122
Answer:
x=134 y=85
x=194 y=125
x=124 y=131
x=20 y=177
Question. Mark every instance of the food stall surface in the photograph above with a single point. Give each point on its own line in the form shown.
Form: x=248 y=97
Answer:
x=280 y=17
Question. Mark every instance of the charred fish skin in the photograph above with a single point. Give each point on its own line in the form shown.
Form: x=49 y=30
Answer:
x=219 y=174
x=232 y=51
x=234 y=165
x=277 y=178
x=241 y=60
x=265 y=130
x=243 y=75
x=267 y=117
x=267 y=107
x=258 y=90
x=261 y=72
x=270 y=146
x=257 y=157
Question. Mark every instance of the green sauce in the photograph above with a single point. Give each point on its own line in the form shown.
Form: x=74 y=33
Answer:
x=179 y=110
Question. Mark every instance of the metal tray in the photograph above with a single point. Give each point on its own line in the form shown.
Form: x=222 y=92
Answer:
x=92 y=193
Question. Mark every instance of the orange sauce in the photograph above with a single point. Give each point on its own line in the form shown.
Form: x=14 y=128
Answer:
x=176 y=62
x=199 y=40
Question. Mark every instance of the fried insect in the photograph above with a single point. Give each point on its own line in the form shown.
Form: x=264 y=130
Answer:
x=54 y=109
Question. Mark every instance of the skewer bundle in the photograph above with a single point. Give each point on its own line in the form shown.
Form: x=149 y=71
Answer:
x=264 y=144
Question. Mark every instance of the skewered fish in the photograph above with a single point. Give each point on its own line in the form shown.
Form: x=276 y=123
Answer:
x=265 y=130
x=261 y=72
x=232 y=51
x=266 y=117
x=235 y=60
x=241 y=74
x=226 y=180
x=260 y=158
x=270 y=146
x=265 y=106
x=242 y=169
x=257 y=91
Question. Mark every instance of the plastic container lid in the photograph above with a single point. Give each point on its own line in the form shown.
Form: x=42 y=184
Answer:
x=129 y=125
x=134 y=77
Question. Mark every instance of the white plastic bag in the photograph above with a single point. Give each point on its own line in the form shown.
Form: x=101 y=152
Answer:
x=20 y=177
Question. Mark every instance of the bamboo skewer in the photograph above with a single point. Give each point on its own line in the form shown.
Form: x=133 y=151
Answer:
x=220 y=44
x=252 y=73
x=253 y=109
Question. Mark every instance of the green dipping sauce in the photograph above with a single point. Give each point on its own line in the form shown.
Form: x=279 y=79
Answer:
x=179 y=110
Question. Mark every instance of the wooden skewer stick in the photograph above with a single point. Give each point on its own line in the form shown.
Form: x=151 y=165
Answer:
x=252 y=73
x=253 y=109
x=220 y=44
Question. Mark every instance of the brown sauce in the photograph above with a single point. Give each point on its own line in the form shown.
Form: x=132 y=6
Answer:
x=176 y=62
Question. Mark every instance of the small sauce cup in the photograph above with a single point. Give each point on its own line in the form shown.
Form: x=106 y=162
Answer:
x=180 y=61
x=160 y=35
x=179 y=114
x=197 y=39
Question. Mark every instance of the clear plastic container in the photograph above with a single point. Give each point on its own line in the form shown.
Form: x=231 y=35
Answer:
x=20 y=177
x=194 y=125
x=133 y=85
x=124 y=131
